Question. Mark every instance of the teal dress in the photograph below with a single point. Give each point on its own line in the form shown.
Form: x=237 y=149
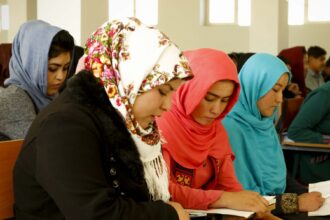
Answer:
x=259 y=162
x=310 y=124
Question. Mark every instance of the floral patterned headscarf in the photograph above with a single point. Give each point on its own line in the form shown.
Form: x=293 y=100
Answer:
x=129 y=58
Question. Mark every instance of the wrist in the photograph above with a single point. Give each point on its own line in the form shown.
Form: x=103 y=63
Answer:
x=290 y=203
x=221 y=202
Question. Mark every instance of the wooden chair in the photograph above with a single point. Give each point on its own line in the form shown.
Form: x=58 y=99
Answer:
x=9 y=151
x=5 y=54
x=290 y=108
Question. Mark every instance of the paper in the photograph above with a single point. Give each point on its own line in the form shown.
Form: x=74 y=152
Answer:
x=225 y=211
x=324 y=189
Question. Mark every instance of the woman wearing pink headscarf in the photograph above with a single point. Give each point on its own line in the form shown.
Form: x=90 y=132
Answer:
x=196 y=146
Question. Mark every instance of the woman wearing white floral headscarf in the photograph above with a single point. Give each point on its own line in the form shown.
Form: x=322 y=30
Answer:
x=95 y=152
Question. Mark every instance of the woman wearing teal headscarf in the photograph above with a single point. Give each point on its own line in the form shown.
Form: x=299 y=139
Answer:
x=259 y=163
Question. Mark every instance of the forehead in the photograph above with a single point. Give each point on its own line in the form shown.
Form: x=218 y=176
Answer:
x=283 y=80
x=62 y=57
x=173 y=84
x=222 y=88
x=318 y=58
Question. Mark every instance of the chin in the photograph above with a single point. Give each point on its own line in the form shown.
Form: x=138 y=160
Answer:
x=52 y=93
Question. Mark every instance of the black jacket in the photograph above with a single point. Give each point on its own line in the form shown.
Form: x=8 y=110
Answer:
x=79 y=162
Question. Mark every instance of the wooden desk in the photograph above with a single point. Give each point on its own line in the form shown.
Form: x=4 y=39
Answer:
x=311 y=147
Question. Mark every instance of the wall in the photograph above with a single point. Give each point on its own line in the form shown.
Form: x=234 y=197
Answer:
x=181 y=21
x=310 y=35
x=63 y=13
x=3 y=33
x=92 y=16
x=18 y=14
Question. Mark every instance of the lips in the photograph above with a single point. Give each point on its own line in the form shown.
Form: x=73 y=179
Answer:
x=55 y=86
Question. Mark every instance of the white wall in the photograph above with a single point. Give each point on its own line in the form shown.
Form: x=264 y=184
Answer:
x=63 y=13
x=3 y=33
x=181 y=21
x=311 y=35
x=92 y=16
x=17 y=15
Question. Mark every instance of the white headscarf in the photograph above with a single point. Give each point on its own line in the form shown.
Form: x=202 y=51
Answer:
x=129 y=59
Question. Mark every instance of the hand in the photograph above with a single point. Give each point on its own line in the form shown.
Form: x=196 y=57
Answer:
x=294 y=88
x=243 y=200
x=183 y=215
x=308 y=202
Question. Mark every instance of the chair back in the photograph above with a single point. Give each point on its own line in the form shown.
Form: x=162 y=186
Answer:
x=9 y=151
x=5 y=54
x=290 y=108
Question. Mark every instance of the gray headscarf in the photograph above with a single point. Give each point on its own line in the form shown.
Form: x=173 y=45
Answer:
x=28 y=65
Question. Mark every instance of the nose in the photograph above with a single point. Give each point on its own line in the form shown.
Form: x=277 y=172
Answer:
x=279 y=97
x=61 y=75
x=166 y=105
x=218 y=107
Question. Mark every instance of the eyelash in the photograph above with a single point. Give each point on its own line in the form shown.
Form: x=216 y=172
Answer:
x=54 y=70
x=211 y=100
x=161 y=92
x=208 y=99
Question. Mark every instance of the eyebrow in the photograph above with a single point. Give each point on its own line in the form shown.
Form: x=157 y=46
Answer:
x=169 y=85
x=56 y=64
x=210 y=93
x=278 y=84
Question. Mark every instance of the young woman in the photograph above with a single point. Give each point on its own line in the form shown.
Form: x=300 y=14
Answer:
x=259 y=160
x=94 y=153
x=309 y=126
x=38 y=67
x=298 y=61
x=196 y=147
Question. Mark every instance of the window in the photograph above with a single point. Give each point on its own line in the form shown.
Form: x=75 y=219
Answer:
x=296 y=9
x=229 y=12
x=302 y=11
x=318 y=10
x=4 y=17
x=145 y=10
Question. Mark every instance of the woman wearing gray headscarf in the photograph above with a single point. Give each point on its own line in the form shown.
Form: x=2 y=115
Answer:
x=41 y=55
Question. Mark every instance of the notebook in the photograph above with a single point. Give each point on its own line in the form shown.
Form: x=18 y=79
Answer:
x=225 y=211
x=324 y=189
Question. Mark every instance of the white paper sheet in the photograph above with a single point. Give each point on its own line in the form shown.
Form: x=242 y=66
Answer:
x=324 y=189
x=224 y=211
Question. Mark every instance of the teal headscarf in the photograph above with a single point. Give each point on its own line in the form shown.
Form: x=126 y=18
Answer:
x=259 y=162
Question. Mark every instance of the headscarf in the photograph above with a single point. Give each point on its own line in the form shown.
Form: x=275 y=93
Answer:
x=259 y=163
x=295 y=56
x=189 y=142
x=28 y=67
x=129 y=58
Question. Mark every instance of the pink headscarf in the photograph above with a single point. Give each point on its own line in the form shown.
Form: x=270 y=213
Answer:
x=189 y=142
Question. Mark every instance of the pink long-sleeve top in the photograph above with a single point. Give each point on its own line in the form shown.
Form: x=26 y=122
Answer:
x=199 y=188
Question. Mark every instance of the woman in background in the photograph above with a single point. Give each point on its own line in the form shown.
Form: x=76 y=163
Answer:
x=259 y=163
x=38 y=67
x=298 y=61
x=309 y=126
